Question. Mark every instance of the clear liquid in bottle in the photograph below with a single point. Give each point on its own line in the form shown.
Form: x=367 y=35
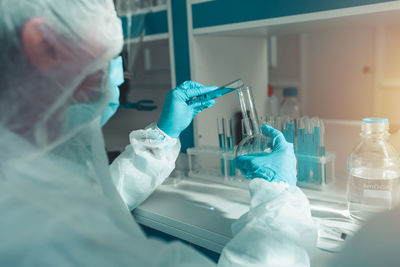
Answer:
x=368 y=196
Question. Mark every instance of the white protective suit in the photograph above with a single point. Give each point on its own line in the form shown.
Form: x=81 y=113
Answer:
x=59 y=205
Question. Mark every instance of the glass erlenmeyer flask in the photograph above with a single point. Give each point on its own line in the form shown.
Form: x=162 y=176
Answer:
x=255 y=142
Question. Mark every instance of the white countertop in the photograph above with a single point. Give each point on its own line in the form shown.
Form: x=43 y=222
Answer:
x=200 y=212
x=196 y=211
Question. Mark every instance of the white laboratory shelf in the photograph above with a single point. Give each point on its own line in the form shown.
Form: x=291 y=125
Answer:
x=155 y=21
x=193 y=2
x=283 y=84
x=363 y=16
x=391 y=85
x=147 y=38
x=142 y=11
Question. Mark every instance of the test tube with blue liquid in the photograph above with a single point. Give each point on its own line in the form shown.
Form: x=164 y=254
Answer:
x=230 y=147
x=221 y=140
x=319 y=130
x=310 y=143
x=220 y=91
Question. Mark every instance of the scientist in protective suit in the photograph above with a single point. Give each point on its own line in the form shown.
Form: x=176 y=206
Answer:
x=61 y=204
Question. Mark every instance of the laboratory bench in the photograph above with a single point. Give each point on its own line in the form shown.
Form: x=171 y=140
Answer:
x=201 y=212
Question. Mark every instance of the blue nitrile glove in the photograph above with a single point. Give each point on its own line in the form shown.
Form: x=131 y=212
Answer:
x=277 y=166
x=177 y=114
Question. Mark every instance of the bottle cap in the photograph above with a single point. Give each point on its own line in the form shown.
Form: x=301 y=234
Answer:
x=375 y=120
x=290 y=92
x=270 y=90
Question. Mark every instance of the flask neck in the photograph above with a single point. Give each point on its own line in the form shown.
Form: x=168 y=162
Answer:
x=249 y=112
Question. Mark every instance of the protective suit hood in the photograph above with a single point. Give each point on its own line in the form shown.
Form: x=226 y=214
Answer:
x=36 y=103
x=41 y=139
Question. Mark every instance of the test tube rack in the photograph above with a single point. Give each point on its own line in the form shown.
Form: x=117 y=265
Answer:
x=315 y=166
x=206 y=162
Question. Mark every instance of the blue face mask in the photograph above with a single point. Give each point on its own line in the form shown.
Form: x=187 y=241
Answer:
x=116 y=78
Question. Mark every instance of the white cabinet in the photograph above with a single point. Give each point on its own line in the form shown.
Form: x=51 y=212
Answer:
x=344 y=58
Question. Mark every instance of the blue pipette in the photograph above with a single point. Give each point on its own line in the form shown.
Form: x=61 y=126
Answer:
x=220 y=91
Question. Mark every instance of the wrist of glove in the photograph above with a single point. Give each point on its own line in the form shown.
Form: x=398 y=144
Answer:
x=277 y=166
x=177 y=114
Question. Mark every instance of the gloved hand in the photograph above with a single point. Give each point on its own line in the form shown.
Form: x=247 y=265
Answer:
x=277 y=166
x=177 y=114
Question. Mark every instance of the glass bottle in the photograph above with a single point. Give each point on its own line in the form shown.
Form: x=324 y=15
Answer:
x=272 y=103
x=373 y=169
x=290 y=106
x=255 y=141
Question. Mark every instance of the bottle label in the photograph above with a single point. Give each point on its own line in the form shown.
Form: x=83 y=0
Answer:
x=380 y=191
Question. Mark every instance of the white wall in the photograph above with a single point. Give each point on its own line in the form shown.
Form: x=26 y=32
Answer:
x=340 y=74
x=346 y=74
x=388 y=88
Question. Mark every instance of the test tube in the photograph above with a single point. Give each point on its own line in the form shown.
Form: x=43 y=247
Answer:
x=221 y=140
x=322 y=126
x=271 y=121
x=220 y=91
x=301 y=144
x=230 y=147
x=288 y=130
x=315 y=140
x=319 y=148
